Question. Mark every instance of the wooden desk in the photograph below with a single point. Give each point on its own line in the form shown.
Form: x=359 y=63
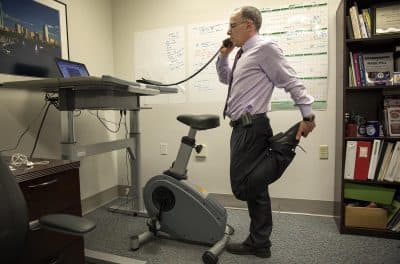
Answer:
x=105 y=93
x=48 y=189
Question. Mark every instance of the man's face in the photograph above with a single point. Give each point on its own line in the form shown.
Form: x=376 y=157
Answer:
x=238 y=29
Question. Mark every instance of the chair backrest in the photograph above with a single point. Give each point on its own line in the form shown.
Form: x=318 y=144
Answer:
x=13 y=216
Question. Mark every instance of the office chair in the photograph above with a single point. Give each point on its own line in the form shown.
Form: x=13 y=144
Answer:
x=14 y=219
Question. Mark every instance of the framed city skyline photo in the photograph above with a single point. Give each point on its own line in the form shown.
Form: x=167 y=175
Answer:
x=32 y=34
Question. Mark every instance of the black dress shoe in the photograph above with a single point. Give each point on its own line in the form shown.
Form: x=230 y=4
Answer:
x=280 y=154
x=242 y=249
x=288 y=138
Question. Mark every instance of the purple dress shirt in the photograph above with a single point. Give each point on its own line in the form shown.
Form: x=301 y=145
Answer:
x=261 y=67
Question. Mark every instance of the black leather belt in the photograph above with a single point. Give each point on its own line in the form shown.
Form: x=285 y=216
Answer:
x=246 y=120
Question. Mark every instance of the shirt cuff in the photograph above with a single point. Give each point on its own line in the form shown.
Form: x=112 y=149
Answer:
x=306 y=110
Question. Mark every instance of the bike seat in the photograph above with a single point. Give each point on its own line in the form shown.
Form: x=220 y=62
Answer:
x=199 y=122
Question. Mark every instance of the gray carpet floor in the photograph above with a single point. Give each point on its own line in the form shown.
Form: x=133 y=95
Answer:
x=295 y=239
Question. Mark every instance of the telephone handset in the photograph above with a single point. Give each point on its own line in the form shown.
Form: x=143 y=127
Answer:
x=227 y=43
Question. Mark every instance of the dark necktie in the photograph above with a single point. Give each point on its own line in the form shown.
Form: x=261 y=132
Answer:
x=237 y=57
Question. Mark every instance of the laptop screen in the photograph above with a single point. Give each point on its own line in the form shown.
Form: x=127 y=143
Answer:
x=71 y=68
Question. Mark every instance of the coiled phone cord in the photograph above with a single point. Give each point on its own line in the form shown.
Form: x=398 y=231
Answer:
x=145 y=81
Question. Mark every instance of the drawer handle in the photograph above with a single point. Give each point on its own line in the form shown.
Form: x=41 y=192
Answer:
x=42 y=184
x=55 y=260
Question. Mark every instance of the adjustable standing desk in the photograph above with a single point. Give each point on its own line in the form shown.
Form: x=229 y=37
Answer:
x=93 y=93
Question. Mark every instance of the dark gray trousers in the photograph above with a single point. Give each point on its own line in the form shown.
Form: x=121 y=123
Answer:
x=249 y=149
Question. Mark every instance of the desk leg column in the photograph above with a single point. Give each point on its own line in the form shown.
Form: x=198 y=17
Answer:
x=68 y=136
x=136 y=180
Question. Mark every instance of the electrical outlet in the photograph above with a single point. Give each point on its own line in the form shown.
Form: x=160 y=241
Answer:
x=202 y=153
x=163 y=148
x=323 y=152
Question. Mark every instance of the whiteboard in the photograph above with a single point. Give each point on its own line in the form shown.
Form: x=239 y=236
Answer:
x=160 y=55
x=204 y=41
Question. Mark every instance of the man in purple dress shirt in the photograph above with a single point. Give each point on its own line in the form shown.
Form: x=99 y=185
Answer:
x=259 y=67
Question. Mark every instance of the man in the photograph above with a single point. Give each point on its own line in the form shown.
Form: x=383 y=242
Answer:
x=259 y=66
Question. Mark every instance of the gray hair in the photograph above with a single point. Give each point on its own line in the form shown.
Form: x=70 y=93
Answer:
x=252 y=13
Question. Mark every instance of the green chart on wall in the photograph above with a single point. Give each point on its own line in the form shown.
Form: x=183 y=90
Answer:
x=302 y=33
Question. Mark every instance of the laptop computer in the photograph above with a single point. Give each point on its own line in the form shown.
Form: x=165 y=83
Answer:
x=69 y=68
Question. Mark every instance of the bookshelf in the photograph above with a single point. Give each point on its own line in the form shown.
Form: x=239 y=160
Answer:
x=363 y=99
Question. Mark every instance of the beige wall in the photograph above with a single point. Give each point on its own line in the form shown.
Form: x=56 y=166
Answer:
x=307 y=178
x=101 y=34
x=90 y=39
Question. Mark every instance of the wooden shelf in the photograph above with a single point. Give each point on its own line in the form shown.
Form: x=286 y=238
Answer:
x=362 y=138
x=381 y=40
x=370 y=232
x=371 y=138
x=373 y=88
x=369 y=182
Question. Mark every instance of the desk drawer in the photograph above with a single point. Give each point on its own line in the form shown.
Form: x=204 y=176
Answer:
x=56 y=193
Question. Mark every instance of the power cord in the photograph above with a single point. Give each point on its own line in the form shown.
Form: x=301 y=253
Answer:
x=109 y=129
x=39 y=130
x=125 y=200
x=103 y=121
x=26 y=130
x=19 y=159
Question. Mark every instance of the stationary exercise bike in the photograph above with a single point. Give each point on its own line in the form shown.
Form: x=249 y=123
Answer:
x=180 y=210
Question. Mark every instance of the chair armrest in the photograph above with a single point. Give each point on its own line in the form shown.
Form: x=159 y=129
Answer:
x=64 y=223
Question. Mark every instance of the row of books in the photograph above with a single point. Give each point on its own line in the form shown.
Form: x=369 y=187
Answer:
x=359 y=23
x=370 y=69
x=378 y=160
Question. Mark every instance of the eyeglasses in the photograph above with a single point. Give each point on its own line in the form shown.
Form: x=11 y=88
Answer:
x=233 y=25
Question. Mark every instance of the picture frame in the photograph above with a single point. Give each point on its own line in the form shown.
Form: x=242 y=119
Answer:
x=393 y=116
x=32 y=34
x=62 y=9
x=386 y=19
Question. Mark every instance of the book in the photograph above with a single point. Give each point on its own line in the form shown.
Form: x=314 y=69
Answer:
x=363 y=155
x=367 y=19
x=363 y=27
x=385 y=161
x=355 y=22
x=393 y=164
x=362 y=69
x=394 y=221
x=397 y=176
x=351 y=79
x=375 y=153
x=395 y=209
x=396 y=228
x=379 y=68
x=356 y=68
x=350 y=33
x=381 y=156
x=353 y=69
x=351 y=148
